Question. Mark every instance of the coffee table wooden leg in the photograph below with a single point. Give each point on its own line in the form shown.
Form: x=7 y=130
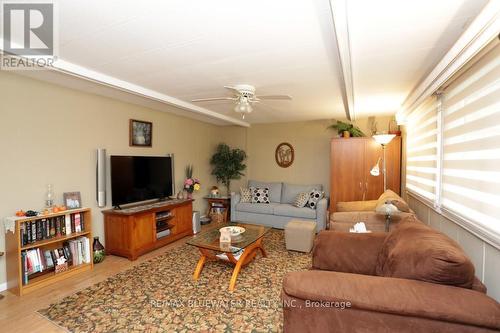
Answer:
x=199 y=267
x=261 y=248
x=244 y=259
x=236 y=271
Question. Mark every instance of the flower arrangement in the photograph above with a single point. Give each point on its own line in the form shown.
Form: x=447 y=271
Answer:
x=191 y=184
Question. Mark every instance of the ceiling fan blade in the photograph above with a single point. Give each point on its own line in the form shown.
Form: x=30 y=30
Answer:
x=282 y=97
x=266 y=107
x=214 y=99
x=232 y=89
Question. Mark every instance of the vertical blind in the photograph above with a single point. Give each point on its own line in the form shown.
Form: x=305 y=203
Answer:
x=453 y=145
x=471 y=143
x=421 y=148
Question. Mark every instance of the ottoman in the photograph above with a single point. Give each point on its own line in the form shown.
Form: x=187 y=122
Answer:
x=299 y=235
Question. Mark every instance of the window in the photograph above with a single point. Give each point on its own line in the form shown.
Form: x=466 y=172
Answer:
x=421 y=148
x=453 y=146
x=471 y=143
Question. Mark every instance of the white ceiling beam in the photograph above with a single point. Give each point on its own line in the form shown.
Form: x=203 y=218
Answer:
x=67 y=68
x=84 y=73
x=481 y=32
x=338 y=10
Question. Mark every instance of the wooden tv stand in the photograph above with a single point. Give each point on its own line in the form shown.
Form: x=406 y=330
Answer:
x=131 y=232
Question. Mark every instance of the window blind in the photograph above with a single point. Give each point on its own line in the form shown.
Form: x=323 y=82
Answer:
x=471 y=143
x=421 y=148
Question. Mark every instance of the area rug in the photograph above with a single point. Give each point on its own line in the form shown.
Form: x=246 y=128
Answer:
x=160 y=295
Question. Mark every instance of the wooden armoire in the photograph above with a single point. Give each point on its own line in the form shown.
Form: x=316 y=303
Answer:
x=351 y=160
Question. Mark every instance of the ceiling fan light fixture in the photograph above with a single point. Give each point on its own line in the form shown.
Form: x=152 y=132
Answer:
x=243 y=106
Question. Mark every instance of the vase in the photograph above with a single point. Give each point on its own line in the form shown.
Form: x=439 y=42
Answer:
x=346 y=134
x=99 y=253
x=189 y=195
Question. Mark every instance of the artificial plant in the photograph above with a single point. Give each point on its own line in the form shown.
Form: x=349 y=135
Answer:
x=341 y=127
x=228 y=164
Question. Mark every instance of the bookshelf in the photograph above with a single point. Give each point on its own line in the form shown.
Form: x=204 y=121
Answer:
x=15 y=248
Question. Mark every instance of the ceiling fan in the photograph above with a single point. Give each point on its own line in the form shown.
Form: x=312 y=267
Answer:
x=243 y=96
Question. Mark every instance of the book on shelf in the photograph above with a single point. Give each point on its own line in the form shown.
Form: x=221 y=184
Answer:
x=38 y=260
x=47 y=228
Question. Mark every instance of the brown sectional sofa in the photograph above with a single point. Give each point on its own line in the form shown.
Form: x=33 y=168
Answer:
x=346 y=214
x=413 y=279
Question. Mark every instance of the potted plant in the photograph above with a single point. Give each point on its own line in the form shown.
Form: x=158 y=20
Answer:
x=346 y=129
x=228 y=164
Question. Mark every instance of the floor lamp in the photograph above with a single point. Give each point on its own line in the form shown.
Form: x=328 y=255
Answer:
x=382 y=139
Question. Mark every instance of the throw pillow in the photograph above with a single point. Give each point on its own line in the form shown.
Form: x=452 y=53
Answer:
x=246 y=195
x=301 y=199
x=314 y=197
x=260 y=195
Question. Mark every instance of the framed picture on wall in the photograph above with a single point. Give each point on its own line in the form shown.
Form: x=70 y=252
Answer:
x=72 y=200
x=140 y=133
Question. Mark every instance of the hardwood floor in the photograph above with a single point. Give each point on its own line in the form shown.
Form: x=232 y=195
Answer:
x=18 y=314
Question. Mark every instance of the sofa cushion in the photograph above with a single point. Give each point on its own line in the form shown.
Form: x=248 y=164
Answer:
x=290 y=210
x=314 y=196
x=375 y=296
x=301 y=200
x=395 y=199
x=274 y=189
x=344 y=221
x=290 y=191
x=260 y=195
x=415 y=251
x=256 y=208
x=246 y=194
x=356 y=206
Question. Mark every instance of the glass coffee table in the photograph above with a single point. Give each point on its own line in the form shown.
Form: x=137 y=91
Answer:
x=240 y=252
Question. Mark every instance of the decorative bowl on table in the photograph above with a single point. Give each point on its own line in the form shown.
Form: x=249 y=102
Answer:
x=234 y=230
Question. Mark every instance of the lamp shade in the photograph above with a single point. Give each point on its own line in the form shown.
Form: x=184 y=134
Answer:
x=375 y=171
x=383 y=139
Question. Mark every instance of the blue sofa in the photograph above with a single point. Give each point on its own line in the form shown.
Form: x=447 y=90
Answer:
x=280 y=211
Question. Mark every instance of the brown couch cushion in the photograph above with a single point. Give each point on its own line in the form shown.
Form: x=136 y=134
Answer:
x=415 y=251
x=375 y=294
x=395 y=199
x=347 y=252
x=356 y=206
x=343 y=221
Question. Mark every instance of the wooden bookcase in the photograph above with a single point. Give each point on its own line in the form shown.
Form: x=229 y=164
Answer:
x=40 y=280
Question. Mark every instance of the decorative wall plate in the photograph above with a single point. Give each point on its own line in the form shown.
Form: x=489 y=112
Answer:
x=284 y=154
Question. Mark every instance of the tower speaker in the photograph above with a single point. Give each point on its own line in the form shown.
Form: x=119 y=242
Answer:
x=196 y=222
x=101 y=178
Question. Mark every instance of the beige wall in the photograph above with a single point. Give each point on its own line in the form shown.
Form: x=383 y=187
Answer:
x=48 y=134
x=311 y=142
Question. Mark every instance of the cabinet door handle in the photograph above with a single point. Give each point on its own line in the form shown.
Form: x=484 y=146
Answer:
x=360 y=186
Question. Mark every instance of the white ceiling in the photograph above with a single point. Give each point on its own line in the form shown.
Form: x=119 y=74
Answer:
x=192 y=48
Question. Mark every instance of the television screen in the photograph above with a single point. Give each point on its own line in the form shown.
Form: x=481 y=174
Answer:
x=140 y=178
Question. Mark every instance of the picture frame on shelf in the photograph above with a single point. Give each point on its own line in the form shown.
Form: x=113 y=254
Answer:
x=72 y=200
x=140 y=133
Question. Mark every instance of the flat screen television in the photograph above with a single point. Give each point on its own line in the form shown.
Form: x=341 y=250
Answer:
x=140 y=178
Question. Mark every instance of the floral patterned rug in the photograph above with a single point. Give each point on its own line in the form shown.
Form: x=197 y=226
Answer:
x=160 y=295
